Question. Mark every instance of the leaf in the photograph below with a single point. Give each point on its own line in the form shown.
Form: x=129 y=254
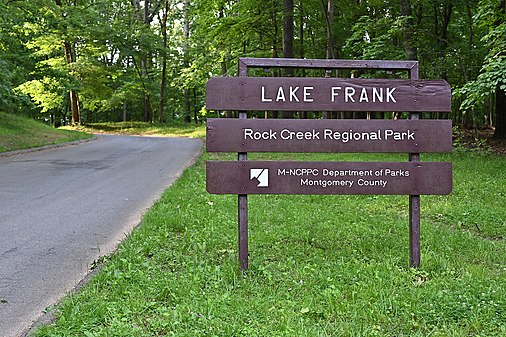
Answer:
x=304 y=310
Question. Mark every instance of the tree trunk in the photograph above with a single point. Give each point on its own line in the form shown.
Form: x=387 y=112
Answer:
x=447 y=13
x=301 y=29
x=146 y=14
x=288 y=28
x=408 y=29
x=328 y=10
x=195 y=109
x=186 y=63
x=303 y=114
x=163 y=83
x=148 y=115
x=329 y=20
x=500 y=112
x=500 y=95
x=288 y=42
x=76 y=111
x=70 y=57
x=441 y=31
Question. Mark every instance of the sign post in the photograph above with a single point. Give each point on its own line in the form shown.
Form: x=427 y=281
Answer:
x=413 y=136
x=414 y=199
x=242 y=198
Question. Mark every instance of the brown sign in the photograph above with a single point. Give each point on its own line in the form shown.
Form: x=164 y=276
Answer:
x=286 y=177
x=344 y=135
x=327 y=94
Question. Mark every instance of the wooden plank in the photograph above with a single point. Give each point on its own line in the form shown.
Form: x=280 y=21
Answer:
x=293 y=177
x=327 y=94
x=330 y=136
x=326 y=64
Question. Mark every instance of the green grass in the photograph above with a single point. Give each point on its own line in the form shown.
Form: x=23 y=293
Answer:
x=147 y=129
x=319 y=265
x=18 y=133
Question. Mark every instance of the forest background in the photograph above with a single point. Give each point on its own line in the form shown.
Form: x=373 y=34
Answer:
x=86 y=61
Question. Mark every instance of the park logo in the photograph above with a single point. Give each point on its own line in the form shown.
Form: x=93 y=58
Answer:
x=261 y=175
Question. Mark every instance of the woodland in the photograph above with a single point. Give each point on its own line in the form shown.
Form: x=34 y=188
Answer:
x=87 y=61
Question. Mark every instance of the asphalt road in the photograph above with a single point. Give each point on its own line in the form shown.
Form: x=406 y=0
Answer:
x=62 y=208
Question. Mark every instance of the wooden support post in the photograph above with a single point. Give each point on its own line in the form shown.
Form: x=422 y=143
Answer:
x=242 y=199
x=414 y=200
x=242 y=213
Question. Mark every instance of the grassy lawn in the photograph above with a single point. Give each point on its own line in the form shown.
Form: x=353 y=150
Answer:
x=18 y=133
x=319 y=265
x=146 y=129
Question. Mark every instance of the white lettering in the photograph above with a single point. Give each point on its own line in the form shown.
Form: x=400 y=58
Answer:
x=377 y=95
x=334 y=93
x=281 y=95
x=326 y=183
x=396 y=173
x=390 y=96
x=363 y=96
x=293 y=96
x=363 y=182
x=307 y=94
x=256 y=135
x=298 y=172
x=287 y=134
x=348 y=94
x=399 y=135
x=265 y=99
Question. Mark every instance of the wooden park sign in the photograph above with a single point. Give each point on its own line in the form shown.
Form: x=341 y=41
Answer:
x=243 y=177
x=328 y=135
x=294 y=177
x=326 y=94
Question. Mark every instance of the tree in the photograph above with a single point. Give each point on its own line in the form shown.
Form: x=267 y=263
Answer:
x=408 y=27
x=52 y=46
x=70 y=58
x=163 y=84
x=288 y=42
x=146 y=12
x=329 y=22
x=492 y=78
x=113 y=59
x=186 y=56
x=14 y=55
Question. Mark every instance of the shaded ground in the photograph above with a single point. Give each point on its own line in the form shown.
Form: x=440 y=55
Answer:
x=479 y=140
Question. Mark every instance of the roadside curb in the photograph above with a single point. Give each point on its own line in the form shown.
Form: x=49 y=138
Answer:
x=49 y=315
x=47 y=147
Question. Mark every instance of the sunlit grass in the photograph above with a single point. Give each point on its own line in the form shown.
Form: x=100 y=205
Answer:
x=146 y=129
x=18 y=133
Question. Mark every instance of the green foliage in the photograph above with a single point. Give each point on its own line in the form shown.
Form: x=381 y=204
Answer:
x=493 y=71
x=119 y=53
x=376 y=40
x=319 y=265
x=47 y=93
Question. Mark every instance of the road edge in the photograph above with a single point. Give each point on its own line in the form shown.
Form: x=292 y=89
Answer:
x=49 y=316
x=47 y=147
